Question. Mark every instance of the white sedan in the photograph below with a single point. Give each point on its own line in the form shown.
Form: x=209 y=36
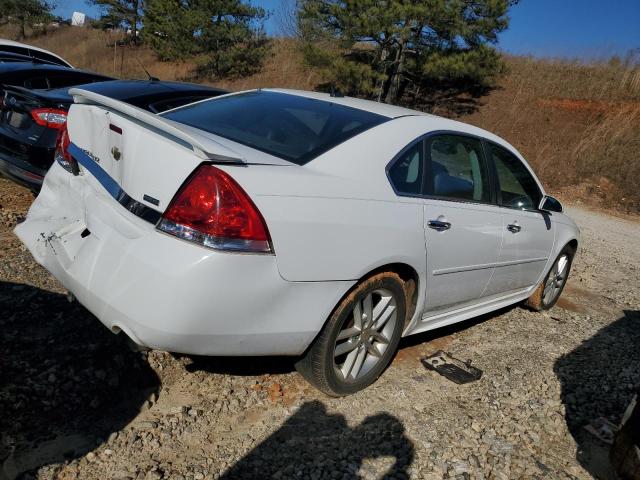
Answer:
x=278 y=222
x=34 y=53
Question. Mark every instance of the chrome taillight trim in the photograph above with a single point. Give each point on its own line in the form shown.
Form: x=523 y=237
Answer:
x=215 y=243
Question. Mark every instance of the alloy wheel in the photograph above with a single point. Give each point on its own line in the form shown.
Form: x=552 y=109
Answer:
x=365 y=335
x=556 y=280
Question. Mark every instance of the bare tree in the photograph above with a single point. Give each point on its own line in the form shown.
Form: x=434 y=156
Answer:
x=286 y=16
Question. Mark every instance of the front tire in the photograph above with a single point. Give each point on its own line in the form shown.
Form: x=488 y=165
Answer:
x=549 y=291
x=360 y=338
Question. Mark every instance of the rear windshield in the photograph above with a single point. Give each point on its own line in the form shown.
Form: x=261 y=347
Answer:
x=295 y=128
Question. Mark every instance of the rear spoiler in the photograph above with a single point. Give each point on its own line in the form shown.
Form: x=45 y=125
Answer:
x=204 y=146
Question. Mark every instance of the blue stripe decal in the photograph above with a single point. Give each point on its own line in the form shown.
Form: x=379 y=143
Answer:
x=138 y=209
x=96 y=170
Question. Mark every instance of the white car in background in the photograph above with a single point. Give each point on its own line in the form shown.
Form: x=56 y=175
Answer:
x=277 y=222
x=32 y=52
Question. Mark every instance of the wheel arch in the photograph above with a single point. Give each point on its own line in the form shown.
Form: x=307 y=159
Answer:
x=560 y=244
x=413 y=286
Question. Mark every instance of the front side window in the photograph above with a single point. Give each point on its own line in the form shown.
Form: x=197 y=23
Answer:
x=518 y=188
x=457 y=169
x=406 y=173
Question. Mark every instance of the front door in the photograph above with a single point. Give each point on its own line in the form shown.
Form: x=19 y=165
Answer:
x=528 y=236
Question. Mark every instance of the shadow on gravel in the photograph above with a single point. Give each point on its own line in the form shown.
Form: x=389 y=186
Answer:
x=252 y=366
x=315 y=444
x=240 y=366
x=598 y=380
x=66 y=382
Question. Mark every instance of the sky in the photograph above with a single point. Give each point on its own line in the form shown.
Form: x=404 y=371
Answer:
x=548 y=28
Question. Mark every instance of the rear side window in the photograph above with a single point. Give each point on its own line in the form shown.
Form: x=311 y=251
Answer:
x=518 y=188
x=171 y=103
x=36 y=82
x=48 y=58
x=406 y=172
x=295 y=128
x=457 y=169
x=14 y=49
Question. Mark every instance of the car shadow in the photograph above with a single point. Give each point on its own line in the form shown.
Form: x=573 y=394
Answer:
x=315 y=444
x=598 y=379
x=66 y=382
x=253 y=366
x=238 y=366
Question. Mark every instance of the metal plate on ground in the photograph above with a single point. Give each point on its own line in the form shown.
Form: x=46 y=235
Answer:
x=450 y=367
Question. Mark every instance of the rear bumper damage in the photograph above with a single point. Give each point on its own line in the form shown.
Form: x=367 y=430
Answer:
x=165 y=293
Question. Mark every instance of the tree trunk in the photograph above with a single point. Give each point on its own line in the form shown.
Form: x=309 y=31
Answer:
x=383 y=87
x=134 y=27
x=396 y=74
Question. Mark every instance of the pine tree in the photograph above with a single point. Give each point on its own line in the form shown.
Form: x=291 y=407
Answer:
x=396 y=49
x=233 y=37
x=26 y=13
x=125 y=13
x=171 y=27
x=227 y=32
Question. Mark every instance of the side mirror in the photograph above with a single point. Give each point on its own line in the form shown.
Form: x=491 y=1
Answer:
x=550 y=204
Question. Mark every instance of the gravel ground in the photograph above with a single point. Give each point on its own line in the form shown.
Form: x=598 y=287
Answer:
x=77 y=402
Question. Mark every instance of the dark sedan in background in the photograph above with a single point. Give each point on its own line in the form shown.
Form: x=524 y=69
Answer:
x=28 y=74
x=33 y=111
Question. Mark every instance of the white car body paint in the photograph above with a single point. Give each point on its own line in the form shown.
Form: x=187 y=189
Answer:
x=11 y=43
x=332 y=221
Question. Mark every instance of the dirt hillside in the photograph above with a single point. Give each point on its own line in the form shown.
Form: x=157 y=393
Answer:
x=578 y=124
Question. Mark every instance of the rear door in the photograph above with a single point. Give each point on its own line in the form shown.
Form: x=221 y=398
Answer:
x=463 y=227
x=529 y=234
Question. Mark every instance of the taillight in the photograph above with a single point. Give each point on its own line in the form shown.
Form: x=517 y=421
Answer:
x=211 y=209
x=49 y=117
x=62 y=155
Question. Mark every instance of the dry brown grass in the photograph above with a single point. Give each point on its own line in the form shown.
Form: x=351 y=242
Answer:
x=577 y=124
x=97 y=51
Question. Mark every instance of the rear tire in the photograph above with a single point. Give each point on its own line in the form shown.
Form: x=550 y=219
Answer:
x=360 y=338
x=548 y=292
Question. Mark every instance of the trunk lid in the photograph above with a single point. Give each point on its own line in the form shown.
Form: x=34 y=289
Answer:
x=134 y=156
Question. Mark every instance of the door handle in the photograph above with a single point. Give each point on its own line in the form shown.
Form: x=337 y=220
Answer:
x=514 y=227
x=439 y=225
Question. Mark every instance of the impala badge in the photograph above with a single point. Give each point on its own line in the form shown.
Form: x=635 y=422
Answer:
x=116 y=153
x=92 y=156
